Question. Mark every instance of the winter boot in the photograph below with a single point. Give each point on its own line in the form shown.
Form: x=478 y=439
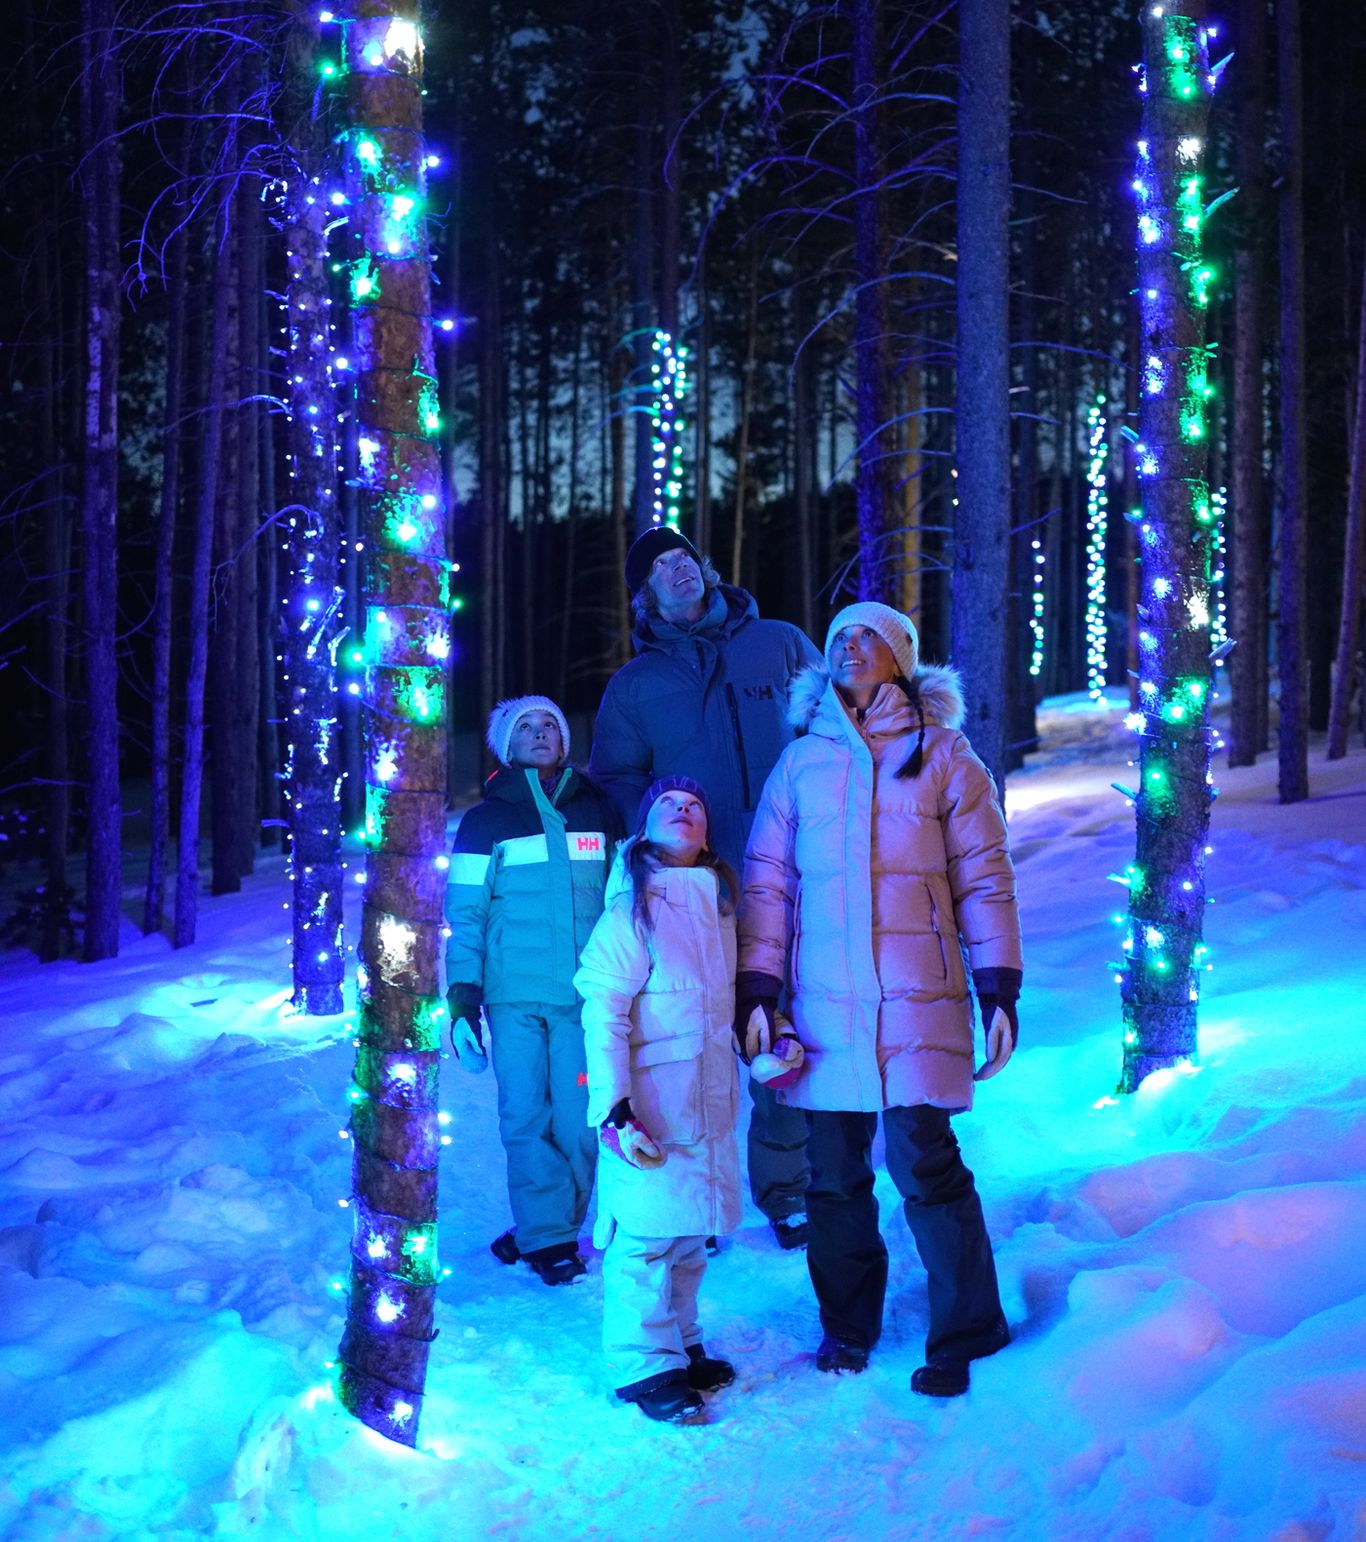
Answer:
x=838 y=1356
x=504 y=1248
x=705 y=1374
x=557 y=1265
x=666 y=1397
x=943 y=1376
x=791 y=1231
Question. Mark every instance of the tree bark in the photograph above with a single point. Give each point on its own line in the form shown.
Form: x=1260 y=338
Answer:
x=394 y=1128
x=177 y=279
x=1347 y=663
x=314 y=613
x=982 y=520
x=870 y=301
x=1247 y=596
x=1161 y=971
x=1292 y=546
x=100 y=91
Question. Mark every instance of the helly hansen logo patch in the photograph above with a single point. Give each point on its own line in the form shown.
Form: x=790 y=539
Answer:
x=757 y=692
x=590 y=843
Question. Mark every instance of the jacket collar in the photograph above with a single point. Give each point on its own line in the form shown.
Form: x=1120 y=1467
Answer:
x=512 y=785
x=728 y=608
x=814 y=706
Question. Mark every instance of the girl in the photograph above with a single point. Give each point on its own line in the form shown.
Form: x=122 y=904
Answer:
x=658 y=981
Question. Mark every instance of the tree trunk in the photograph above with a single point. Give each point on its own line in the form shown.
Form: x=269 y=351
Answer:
x=981 y=556
x=314 y=610
x=870 y=302
x=100 y=91
x=246 y=722
x=1347 y=663
x=211 y=421
x=225 y=768
x=747 y=368
x=491 y=409
x=154 y=907
x=268 y=614
x=394 y=1125
x=1292 y=546
x=1247 y=619
x=1163 y=951
x=646 y=170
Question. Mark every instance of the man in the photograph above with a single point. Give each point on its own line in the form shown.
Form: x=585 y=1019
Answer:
x=706 y=697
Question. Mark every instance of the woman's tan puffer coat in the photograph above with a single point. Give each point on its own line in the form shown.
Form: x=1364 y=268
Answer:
x=859 y=886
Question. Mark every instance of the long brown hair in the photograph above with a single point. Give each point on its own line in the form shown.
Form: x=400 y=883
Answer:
x=641 y=860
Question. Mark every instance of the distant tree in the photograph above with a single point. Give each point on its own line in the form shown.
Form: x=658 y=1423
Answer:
x=1292 y=634
x=1347 y=674
x=100 y=95
x=981 y=538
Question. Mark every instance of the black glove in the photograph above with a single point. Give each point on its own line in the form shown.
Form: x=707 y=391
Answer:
x=755 y=992
x=997 y=991
x=467 y=1038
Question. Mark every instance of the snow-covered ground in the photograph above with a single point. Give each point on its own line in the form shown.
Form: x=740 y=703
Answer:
x=1185 y=1269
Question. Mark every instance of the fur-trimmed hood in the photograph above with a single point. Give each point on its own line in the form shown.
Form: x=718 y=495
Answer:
x=938 y=686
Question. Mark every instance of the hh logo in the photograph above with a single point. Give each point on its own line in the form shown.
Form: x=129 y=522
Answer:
x=590 y=843
x=758 y=692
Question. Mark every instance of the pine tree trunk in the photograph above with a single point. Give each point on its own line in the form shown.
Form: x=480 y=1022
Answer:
x=1247 y=610
x=314 y=612
x=646 y=171
x=196 y=677
x=268 y=614
x=1161 y=971
x=100 y=91
x=176 y=284
x=982 y=521
x=870 y=303
x=1347 y=663
x=394 y=1124
x=747 y=368
x=1292 y=547
x=249 y=523
x=225 y=769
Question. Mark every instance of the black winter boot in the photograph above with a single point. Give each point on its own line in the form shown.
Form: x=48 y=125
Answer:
x=504 y=1248
x=705 y=1374
x=558 y=1264
x=840 y=1357
x=667 y=1398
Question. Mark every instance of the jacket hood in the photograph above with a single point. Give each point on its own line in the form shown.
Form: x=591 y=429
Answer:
x=655 y=632
x=938 y=685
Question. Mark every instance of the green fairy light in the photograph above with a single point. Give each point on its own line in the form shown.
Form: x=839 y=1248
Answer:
x=364 y=282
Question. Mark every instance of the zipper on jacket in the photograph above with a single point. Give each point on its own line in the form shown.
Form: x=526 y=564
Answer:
x=739 y=743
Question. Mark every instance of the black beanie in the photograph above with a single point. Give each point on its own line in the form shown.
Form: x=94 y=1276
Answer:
x=646 y=549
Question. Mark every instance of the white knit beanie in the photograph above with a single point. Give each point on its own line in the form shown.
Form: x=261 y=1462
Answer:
x=503 y=719
x=896 y=630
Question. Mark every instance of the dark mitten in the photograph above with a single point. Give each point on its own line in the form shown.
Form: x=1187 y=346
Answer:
x=997 y=992
x=756 y=1002
x=467 y=1039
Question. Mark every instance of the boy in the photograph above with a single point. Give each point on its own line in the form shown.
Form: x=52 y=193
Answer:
x=525 y=887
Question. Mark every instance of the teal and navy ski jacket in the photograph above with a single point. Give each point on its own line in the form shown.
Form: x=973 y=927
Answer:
x=525 y=886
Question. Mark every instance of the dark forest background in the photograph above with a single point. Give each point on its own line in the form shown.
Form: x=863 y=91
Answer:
x=717 y=170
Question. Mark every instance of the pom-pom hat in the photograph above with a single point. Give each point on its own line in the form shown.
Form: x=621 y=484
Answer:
x=503 y=719
x=649 y=547
x=895 y=629
x=671 y=784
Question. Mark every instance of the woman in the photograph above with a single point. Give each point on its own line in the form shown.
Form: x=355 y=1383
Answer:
x=878 y=851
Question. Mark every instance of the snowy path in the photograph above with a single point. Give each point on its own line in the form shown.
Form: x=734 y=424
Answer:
x=1184 y=1269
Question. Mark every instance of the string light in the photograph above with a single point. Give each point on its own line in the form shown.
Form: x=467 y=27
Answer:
x=1097 y=529
x=669 y=386
x=1162 y=946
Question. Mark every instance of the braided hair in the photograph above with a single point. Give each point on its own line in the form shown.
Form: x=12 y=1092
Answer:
x=916 y=759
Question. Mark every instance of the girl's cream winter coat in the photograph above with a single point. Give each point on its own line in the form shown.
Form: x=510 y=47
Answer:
x=657 y=1029
x=859 y=886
